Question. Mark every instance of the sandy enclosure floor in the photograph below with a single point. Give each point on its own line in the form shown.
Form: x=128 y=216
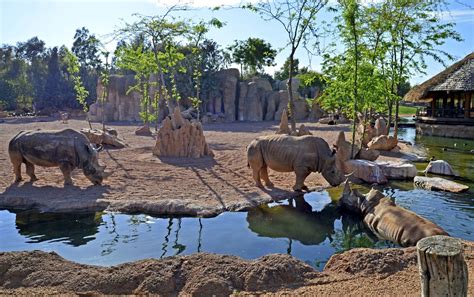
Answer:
x=144 y=183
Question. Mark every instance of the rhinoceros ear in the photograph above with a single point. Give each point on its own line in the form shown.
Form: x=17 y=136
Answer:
x=347 y=188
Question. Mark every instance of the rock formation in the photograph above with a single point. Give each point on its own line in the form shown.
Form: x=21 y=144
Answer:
x=367 y=171
x=368 y=133
x=179 y=137
x=99 y=137
x=383 y=143
x=229 y=100
x=438 y=184
x=143 y=131
x=368 y=154
x=380 y=127
x=284 y=127
x=440 y=167
x=398 y=170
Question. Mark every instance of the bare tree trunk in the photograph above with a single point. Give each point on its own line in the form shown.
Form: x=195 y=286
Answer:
x=291 y=104
x=442 y=267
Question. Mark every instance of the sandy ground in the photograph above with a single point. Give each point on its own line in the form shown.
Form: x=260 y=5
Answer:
x=359 y=272
x=144 y=183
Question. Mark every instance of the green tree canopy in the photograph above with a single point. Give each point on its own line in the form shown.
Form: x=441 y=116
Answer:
x=252 y=54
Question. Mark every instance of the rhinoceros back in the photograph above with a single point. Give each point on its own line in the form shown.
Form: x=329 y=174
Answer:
x=49 y=148
x=399 y=225
x=282 y=152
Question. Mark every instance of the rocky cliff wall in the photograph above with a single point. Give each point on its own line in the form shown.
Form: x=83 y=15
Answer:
x=231 y=100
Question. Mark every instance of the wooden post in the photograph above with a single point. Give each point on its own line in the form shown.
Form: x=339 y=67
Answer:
x=442 y=267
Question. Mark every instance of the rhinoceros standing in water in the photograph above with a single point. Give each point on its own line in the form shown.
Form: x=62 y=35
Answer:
x=301 y=154
x=387 y=220
x=66 y=149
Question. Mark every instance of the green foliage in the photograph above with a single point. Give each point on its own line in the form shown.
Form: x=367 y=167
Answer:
x=73 y=68
x=142 y=62
x=284 y=71
x=252 y=54
x=298 y=19
x=385 y=42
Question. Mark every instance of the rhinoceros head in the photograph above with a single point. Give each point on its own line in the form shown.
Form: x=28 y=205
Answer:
x=91 y=168
x=351 y=199
x=330 y=171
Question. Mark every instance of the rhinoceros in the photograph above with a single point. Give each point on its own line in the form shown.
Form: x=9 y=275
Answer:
x=301 y=154
x=387 y=220
x=67 y=149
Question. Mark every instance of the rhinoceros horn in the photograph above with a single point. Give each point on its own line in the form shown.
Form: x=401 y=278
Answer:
x=106 y=174
x=98 y=148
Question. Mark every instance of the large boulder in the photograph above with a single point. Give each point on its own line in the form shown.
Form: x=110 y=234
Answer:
x=383 y=143
x=398 y=170
x=365 y=132
x=227 y=83
x=99 y=137
x=301 y=108
x=439 y=184
x=316 y=112
x=368 y=154
x=271 y=104
x=282 y=103
x=343 y=152
x=367 y=171
x=179 y=137
x=253 y=102
x=380 y=127
x=284 y=127
x=440 y=167
x=118 y=106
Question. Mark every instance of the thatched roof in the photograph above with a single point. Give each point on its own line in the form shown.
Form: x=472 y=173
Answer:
x=457 y=77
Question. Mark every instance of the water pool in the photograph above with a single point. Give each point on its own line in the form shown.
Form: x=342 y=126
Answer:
x=310 y=228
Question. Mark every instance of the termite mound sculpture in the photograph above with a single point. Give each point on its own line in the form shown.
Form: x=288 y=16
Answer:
x=179 y=137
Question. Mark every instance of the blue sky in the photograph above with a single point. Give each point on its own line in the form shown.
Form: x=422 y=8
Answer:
x=55 y=22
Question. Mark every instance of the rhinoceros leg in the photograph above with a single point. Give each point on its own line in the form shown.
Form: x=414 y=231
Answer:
x=301 y=174
x=66 y=169
x=264 y=176
x=16 y=160
x=30 y=170
x=256 y=177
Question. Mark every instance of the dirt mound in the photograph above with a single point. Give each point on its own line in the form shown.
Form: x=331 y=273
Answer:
x=198 y=274
x=358 y=272
x=365 y=262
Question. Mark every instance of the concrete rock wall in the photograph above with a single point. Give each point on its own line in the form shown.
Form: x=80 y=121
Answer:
x=231 y=100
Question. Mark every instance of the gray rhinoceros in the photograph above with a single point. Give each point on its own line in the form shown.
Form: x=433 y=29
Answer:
x=67 y=149
x=301 y=154
x=387 y=220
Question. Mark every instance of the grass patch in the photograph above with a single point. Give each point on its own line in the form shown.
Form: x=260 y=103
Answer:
x=405 y=110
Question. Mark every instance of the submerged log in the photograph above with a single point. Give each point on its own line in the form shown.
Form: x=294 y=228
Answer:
x=442 y=267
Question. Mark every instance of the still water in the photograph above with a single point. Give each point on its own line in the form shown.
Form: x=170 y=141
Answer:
x=310 y=228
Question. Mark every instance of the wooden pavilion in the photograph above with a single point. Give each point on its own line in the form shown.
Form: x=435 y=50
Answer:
x=450 y=98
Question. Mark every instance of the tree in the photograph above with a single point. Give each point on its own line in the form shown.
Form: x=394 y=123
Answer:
x=52 y=90
x=252 y=55
x=298 y=19
x=81 y=91
x=284 y=72
x=384 y=43
x=86 y=47
x=141 y=62
x=416 y=32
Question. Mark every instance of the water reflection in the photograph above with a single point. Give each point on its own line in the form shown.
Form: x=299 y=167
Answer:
x=72 y=229
x=295 y=221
